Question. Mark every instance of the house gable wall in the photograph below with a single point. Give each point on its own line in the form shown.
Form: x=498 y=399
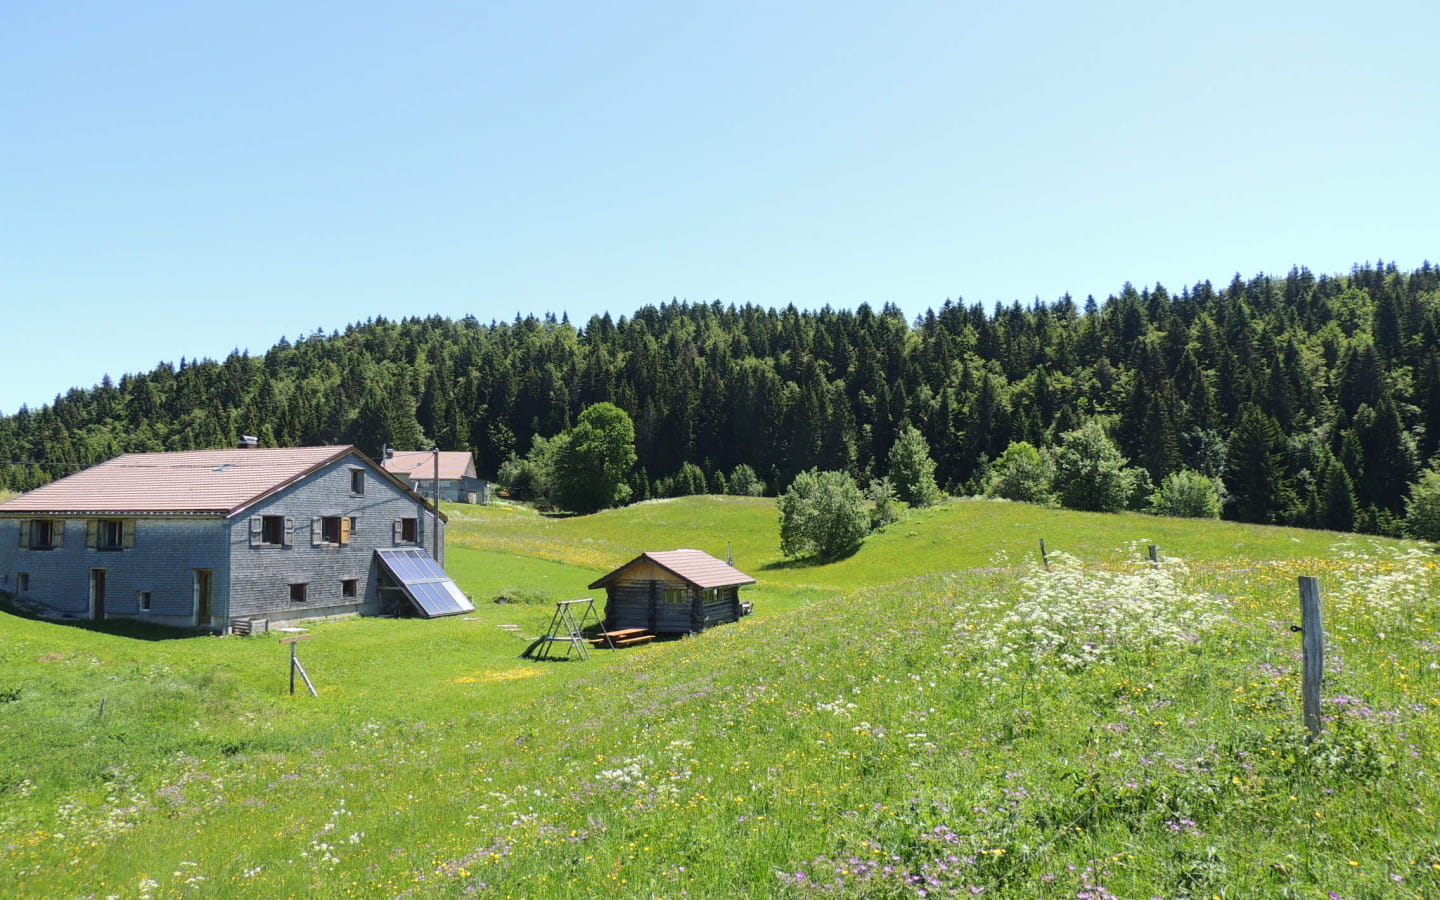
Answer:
x=261 y=576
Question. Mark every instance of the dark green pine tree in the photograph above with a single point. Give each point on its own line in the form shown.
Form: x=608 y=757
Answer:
x=1337 y=498
x=1256 y=480
x=1390 y=464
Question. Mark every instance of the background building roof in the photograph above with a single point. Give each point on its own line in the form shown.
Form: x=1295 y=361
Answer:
x=419 y=465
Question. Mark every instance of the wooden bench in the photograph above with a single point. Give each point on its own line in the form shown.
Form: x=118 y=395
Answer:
x=622 y=637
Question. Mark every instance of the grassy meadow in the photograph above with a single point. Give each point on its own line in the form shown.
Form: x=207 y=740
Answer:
x=939 y=715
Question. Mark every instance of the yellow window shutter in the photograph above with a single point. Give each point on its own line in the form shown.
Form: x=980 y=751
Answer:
x=346 y=523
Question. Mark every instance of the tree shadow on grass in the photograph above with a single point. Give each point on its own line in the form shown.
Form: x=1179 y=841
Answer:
x=806 y=562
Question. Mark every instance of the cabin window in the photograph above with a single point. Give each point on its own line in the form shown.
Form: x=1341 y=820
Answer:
x=332 y=530
x=44 y=534
x=349 y=588
x=297 y=592
x=712 y=594
x=409 y=531
x=272 y=530
x=22 y=581
x=675 y=595
x=110 y=534
x=357 y=482
x=143 y=599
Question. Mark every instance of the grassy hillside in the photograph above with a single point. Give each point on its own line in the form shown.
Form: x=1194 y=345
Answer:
x=936 y=714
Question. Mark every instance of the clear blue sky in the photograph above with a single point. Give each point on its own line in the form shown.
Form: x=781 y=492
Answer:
x=181 y=179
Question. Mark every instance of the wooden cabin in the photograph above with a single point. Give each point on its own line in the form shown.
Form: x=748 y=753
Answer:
x=673 y=592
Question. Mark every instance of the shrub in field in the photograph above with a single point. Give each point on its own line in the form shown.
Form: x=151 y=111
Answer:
x=1422 y=509
x=912 y=471
x=745 y=483
x=1070 y=616
x=1024 y=473
x=1090 y=473
x=822 y=514
x=881 y=495
x=1187 y=494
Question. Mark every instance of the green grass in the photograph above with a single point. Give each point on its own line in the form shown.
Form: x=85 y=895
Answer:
x=858 y=721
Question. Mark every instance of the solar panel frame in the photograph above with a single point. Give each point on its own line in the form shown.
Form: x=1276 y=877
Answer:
x=433 y=592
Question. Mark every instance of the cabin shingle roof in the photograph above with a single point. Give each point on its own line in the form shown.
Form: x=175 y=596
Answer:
x=693 y=566
x=198 y=482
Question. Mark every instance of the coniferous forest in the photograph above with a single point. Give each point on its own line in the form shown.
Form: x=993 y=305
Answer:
x=1315 y=399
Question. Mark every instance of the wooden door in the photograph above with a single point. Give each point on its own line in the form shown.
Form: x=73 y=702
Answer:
x=203 y=580
x=97 y=594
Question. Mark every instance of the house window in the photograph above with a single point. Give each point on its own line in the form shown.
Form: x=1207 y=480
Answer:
x=143 y=597
x=349 y=588
x=409 y=531
x=22 y=581
x=297 y=593
x=675 y=595
x=335 y=530
x=110 y=534
x=42 y=534
x=272 y=530
x=357 y=482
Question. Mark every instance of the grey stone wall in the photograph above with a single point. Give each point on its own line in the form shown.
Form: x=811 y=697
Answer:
x=162 y=559
x=261 y=576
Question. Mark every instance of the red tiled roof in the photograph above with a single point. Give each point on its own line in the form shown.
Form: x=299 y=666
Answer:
x=187 y=482
x=420 y=464
x=694 y=566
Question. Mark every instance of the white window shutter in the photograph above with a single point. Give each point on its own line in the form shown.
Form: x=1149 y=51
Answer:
x=317 y=531
x=289 y=531
x=257 y=530
x=57 y=533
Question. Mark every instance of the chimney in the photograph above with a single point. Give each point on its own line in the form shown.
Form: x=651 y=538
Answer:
x=249 y=442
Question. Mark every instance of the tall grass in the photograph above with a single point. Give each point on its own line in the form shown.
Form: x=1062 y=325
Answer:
x=864 y=736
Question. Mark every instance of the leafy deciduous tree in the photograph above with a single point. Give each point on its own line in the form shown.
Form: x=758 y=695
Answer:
x=822 y=514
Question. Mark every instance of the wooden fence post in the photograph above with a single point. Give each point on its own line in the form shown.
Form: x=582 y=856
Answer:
x=296 y=666
x=1044 y=557
x=1154 y=555
x=1313 y=633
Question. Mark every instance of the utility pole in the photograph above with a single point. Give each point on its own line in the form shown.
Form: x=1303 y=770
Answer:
x=435 y=527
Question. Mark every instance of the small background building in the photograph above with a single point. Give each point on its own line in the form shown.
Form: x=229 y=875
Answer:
x=458 y=481
x=673 y=592
x=202 y=539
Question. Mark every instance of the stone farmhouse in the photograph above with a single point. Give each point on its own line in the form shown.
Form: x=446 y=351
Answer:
x=219 y=539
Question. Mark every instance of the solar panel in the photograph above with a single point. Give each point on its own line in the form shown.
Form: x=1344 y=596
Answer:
x=432 y=591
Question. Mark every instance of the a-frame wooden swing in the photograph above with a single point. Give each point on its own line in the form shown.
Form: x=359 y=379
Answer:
x=567 y=627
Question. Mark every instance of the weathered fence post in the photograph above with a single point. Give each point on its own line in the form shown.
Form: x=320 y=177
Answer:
x=1313 y=633
x=1154 y=555
x=295 y=664
x=1044 y=557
